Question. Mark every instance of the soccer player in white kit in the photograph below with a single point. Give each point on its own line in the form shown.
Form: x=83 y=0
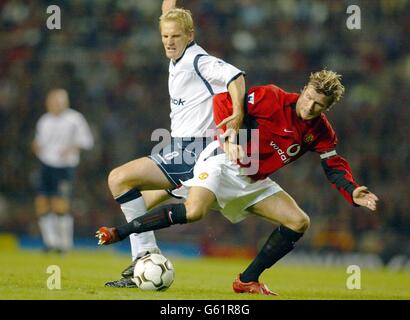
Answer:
x=60 y=134
x=194 y=78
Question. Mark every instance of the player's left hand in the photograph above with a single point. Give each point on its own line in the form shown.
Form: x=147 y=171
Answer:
x=365 y=198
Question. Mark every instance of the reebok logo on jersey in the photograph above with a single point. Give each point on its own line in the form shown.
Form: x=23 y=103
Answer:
x=178 y=102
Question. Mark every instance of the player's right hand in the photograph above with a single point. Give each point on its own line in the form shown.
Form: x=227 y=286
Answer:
x=233 y=124
x=168 y=5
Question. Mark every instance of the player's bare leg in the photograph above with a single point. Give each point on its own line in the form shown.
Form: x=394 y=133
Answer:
x=279 y=208
x=198 y=203
x=153 y=198
x=141 y=173
x=282 y=209
x=41 y=205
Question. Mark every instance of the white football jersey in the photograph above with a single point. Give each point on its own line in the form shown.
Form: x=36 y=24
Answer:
x=57 y=133
x=193 y=80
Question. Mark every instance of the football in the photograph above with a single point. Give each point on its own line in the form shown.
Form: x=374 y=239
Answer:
x=153 y=272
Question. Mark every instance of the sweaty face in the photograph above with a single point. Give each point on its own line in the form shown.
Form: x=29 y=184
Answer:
x=311 y=103
x=174 y=39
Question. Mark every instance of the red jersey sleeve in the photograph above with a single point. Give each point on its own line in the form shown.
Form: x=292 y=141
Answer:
x=222 y=105
x=336 y=168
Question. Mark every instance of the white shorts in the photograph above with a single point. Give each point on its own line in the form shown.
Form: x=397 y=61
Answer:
x=234 y=192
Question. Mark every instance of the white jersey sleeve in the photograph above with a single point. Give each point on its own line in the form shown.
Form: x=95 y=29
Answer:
x=218 y=73
x=83 y=137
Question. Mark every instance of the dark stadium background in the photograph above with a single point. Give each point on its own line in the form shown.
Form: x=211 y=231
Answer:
x=108 y=55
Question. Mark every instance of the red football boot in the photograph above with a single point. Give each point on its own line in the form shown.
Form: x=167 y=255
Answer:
x=107 y=235
x=251 y=287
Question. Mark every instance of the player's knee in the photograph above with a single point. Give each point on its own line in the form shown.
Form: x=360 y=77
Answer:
x=42 y=205
x=194 y=211
x=301 y=222
x=116 y=179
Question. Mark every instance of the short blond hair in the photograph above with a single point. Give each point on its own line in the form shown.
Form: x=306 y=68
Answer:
x=182 y=16
x=328 y=82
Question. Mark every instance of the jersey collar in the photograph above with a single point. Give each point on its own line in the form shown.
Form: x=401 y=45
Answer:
x=189 y=45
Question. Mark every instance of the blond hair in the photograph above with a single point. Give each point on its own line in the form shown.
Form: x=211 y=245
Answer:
x=328 y=83
x=182 y=16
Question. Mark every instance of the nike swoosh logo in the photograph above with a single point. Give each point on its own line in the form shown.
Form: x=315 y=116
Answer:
x=286 y=130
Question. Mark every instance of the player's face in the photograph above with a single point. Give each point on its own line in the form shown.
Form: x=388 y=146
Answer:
x=311 y=103
x=56 y=102
x=174 y=39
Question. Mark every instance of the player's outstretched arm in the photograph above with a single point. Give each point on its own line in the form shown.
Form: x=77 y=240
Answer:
x=363 y=197
x=168 y=5
x=234 y=122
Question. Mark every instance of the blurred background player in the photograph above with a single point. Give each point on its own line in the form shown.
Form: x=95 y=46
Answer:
x=60 y=134
x=289 y=125
x=194 y=77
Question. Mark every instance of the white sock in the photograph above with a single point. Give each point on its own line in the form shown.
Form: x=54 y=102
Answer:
x=43 y=222
x=49 y=233
x=66 y=228
x=143 y=241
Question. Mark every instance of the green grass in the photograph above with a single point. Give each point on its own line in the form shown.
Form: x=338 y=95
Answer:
x=83 y=274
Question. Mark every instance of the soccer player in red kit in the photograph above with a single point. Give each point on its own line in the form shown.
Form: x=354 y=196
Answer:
x=289 y=125
x=286 y=133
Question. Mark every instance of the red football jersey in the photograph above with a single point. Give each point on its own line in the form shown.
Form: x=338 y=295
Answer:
x=284 y=137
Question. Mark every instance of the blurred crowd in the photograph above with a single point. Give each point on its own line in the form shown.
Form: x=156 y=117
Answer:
x=108 y=55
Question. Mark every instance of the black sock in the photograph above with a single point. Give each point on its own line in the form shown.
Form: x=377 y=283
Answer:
x=280 y=242
x=158 y=218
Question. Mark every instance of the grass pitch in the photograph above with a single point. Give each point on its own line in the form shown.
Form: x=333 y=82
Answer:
x=24 y=275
